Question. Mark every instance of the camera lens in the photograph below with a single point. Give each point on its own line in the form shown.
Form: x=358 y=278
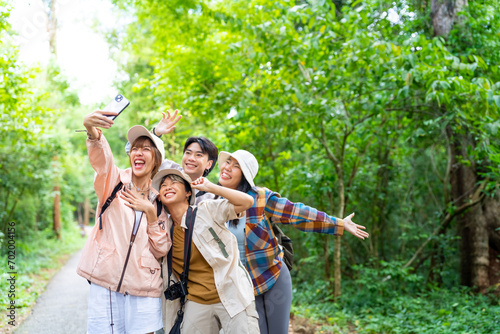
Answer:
x=119 y=98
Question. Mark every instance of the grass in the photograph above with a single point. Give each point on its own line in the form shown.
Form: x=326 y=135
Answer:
x=37 y=259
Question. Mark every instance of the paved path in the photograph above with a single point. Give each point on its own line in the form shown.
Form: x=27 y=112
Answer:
x=62 y=308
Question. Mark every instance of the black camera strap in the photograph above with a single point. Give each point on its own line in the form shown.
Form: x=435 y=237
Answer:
x=188 y=236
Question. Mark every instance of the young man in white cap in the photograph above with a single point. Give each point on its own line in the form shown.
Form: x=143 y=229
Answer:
x=120 y=257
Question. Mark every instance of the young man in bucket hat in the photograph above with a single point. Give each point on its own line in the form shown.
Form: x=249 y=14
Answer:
x=219 y=290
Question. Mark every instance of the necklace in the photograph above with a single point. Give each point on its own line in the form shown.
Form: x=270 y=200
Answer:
x=142 y=191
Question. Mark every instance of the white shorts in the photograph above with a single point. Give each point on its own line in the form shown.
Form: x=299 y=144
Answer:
x=130 y=314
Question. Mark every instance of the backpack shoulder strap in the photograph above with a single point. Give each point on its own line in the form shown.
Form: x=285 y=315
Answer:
x=108 y=202
x=159 y=207
x=188 y=234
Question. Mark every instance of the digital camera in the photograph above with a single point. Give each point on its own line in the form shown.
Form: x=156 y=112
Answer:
x=176 y=290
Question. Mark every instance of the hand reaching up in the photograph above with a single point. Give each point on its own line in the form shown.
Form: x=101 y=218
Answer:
x=167 y=123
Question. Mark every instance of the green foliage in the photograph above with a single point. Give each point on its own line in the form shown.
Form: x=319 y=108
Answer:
x=362 y=309
x=334 y=99
x=349 y=106
x=37 y=147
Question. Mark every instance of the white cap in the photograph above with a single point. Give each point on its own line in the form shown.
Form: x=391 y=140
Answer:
x=139 y=131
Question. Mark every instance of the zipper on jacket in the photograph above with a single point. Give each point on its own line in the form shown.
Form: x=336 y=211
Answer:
x=124 y=266
x=132 y=239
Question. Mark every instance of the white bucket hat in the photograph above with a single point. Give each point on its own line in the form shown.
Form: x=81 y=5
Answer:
x=168 y=171
x=139 y=131
x=248 y=164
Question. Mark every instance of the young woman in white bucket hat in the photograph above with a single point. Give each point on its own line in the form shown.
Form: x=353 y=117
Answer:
x=120 y=257
x=219 y=289
x=263 y=257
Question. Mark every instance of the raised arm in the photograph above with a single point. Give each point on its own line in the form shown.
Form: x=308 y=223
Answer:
x=167 y=123
x=97 y=119
x=100 y=155
x=239 y=199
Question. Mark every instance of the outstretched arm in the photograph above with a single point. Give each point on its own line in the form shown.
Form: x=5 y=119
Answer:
x=100 y=155
x=354 y=228
x=97 y=119
x=306 y=218
x=239 y=199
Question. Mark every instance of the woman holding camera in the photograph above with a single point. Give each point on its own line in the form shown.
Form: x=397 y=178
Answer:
x=219 y=291
x=263 y=257
x=120 y=257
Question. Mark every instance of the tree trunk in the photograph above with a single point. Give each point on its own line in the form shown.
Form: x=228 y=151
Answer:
x=56 y=209
x=52 y=26
x=337 y=290
x=57 y=212
x=79 y=216
x=476 y=226
x=86 y=211
x=472 y=224
x=444 y=15
x=326 y=258
x=492 y=215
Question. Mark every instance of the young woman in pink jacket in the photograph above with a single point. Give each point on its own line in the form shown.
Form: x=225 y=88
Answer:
x=120 y=258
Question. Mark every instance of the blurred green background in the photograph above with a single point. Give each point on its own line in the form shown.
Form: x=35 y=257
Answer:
x=386 y=109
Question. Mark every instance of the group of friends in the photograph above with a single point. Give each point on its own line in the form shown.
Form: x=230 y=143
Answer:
x=163 y=231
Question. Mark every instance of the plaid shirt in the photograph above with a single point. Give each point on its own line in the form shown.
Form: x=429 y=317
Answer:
x=263 y=255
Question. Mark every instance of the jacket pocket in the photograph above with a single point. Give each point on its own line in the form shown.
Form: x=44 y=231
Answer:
x=150 y=272
x=149 y=262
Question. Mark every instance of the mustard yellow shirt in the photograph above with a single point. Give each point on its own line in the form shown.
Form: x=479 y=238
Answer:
x=201 y=283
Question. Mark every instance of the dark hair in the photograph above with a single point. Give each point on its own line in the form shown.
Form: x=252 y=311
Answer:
x=139 y=142
x=245 y=187
x=207 y=147
x=177 y=178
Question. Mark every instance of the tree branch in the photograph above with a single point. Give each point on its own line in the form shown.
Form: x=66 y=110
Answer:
x=447 y=220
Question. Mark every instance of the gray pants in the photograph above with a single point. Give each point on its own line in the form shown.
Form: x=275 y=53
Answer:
x=274 y=305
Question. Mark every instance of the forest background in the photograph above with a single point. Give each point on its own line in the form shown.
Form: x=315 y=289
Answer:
x=386 y=109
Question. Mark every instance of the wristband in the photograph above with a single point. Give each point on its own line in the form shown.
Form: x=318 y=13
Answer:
x=155 y=133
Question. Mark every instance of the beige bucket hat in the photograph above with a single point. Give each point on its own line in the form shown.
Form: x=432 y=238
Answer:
x=248 y=164
x=168 y=171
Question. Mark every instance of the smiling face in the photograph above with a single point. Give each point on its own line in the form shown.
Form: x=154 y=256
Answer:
x=195 y=162
x=142 y=157
x=173 y=190
x=230 y=173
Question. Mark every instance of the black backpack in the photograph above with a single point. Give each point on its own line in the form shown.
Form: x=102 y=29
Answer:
x=286 y=244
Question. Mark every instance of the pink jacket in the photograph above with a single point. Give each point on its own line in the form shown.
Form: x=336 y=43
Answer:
x=105 y=251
